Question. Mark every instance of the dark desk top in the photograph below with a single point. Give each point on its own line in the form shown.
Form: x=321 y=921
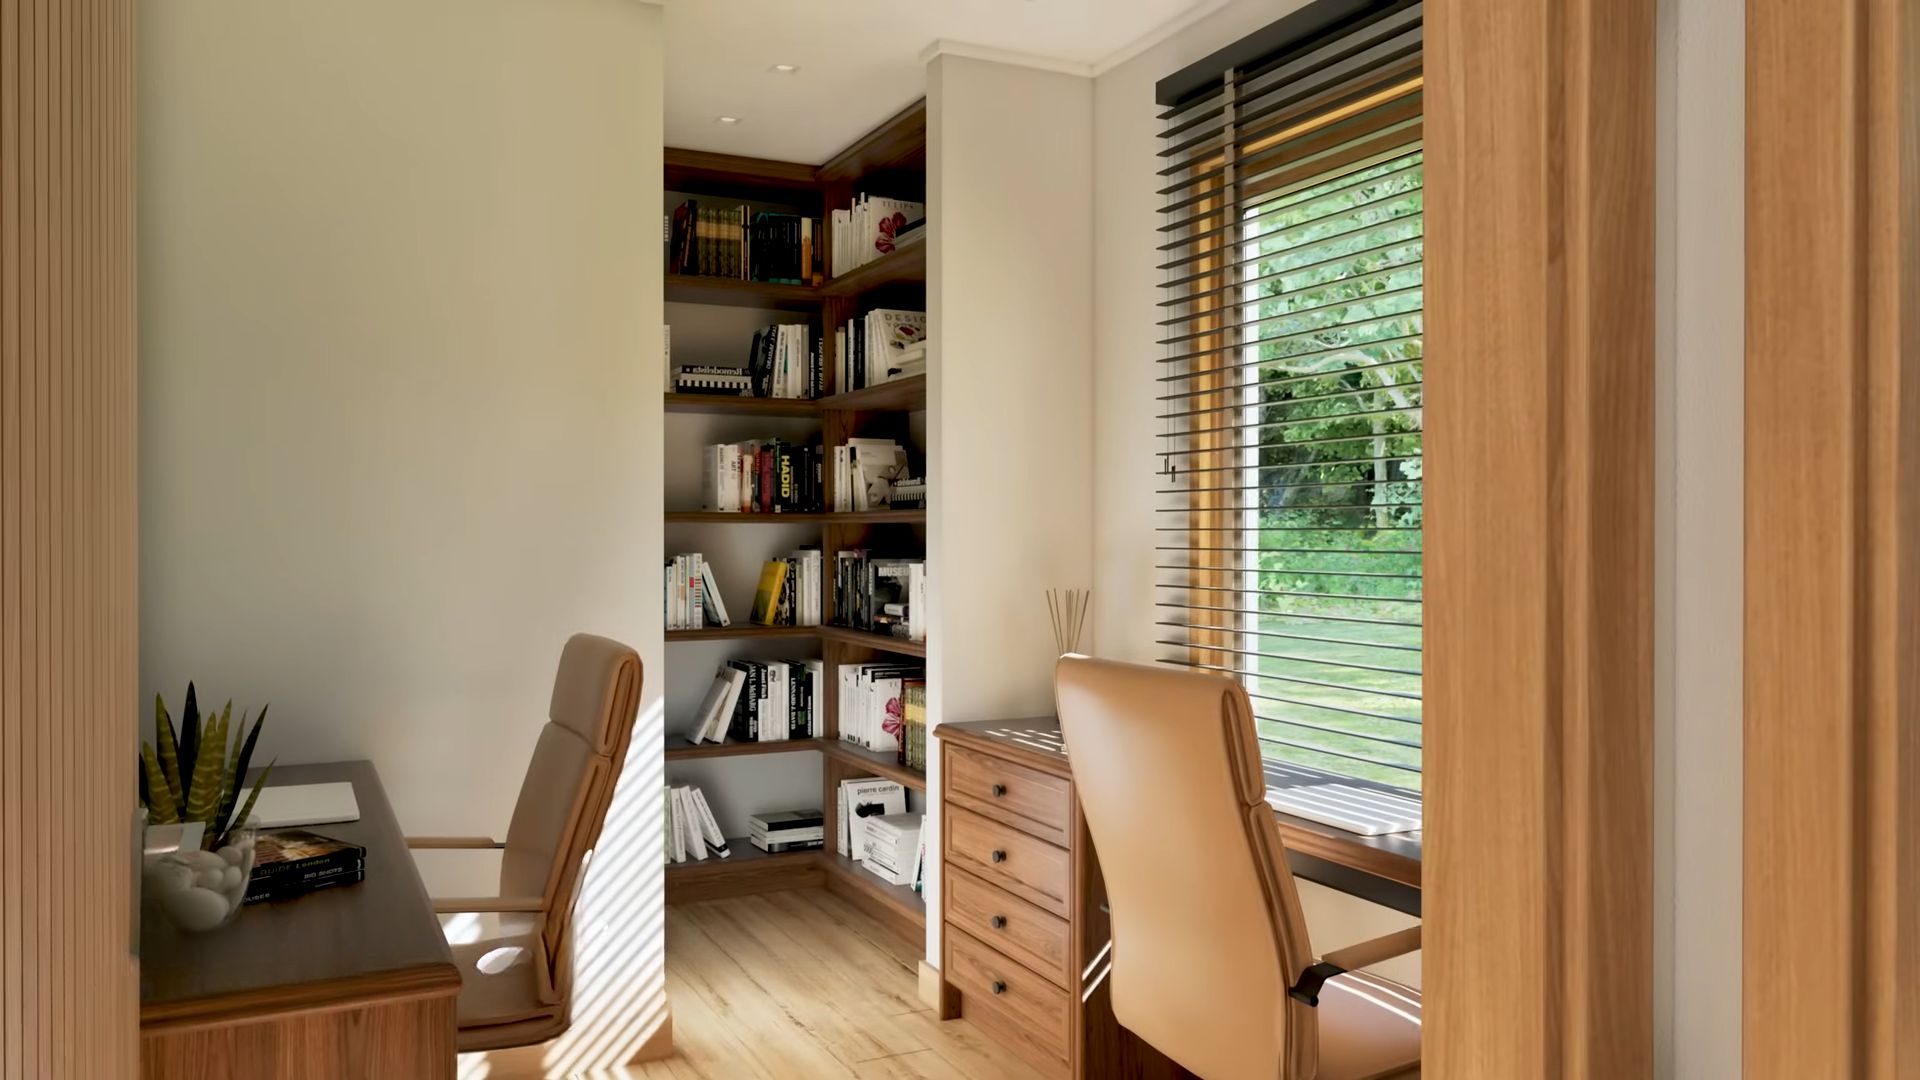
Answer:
x=377 y=938
x=1384 y=869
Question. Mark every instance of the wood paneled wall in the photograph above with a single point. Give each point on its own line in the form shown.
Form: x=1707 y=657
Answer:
x=1539 y=533
x=1832 y=784
x=68 y=603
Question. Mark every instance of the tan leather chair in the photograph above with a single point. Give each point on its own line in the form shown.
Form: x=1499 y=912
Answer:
x=1211 y=961
x=516 y=985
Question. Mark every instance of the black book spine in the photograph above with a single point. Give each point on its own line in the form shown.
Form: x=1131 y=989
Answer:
x=258 y=891
x=298 y=868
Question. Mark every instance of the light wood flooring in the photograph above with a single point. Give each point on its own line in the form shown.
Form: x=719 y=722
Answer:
x=796 y=985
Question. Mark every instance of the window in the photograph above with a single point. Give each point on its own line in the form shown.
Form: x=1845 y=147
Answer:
x=1290 y=391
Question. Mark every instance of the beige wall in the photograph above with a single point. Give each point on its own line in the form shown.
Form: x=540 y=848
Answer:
x=1009 y=420
x=68 y=597
x=400 y=302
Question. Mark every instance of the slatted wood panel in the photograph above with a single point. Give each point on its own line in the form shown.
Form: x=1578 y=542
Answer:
x=1539 y=539
x=1832 y=701
x=67 y=537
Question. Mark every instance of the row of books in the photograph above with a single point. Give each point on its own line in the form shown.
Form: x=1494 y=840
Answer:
x=783 y=361
x=873 y=703
x=692 y=599
x=692 y=833
x=871 y=227
x=789 y=590
x=761 y=477
x=873 y=348
x=294 y=862
x=865 y=472
x=881 y=595
x=742 y=243
x=876 y=831
x=761 y=701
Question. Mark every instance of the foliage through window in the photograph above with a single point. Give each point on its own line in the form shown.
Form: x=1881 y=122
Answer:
x=1290 y=392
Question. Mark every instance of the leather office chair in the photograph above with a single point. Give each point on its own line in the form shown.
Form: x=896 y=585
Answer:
x=517 y=985
x=1211 y=961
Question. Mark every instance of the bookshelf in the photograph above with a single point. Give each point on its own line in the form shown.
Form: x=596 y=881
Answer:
x=890 y=160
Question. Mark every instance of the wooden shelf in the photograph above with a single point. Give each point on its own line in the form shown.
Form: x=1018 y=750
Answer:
x=748 y=870
x=909 y=393
x=738 y=630
x=741 y=406
x=730 y=292
x=906 y=263
x=679 y=749
x=855 y=517
x=899 y=900
x=878 y=762
x=882 y=642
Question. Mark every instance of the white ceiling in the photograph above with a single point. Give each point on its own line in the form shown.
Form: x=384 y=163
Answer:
x=860 y=62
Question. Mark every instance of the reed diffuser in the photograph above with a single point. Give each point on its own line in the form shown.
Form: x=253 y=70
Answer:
x=1068 y=608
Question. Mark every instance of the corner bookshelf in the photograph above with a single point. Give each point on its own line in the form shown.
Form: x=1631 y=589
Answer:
x=890 y=160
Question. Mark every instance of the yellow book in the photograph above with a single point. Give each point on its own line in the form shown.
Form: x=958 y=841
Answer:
x=766 y=597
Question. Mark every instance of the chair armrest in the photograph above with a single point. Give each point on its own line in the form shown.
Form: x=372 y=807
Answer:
x=453 y=842
x=1369 y=953
x=1340 y=961
x=453 y=905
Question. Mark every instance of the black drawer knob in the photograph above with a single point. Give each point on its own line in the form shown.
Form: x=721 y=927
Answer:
x=999 y=856
x=999 y=987
x=999 y=922
x=999 y=790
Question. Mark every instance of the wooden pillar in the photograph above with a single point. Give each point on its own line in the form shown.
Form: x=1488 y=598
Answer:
x=68 y=603
x=1538 y=871
x=1832 y=836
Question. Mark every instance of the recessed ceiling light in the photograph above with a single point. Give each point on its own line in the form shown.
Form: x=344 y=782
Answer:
x=784 y=69
x=726 y=119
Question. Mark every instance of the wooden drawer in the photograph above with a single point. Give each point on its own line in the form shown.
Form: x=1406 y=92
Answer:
x=1035 y=801
x=1027 y=1011
x=1007 y=923
x=1029 y=868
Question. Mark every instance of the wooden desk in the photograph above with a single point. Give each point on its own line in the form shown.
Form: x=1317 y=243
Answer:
x=1024 y=932
x=354 y=980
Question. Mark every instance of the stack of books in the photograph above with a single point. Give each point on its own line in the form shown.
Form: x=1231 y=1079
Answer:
x=761 y=701
x=742 y=243
x=861 y=801
x=865 y=472
x=692 y=832
x=692 y=599
x=880 y=595
x=867 y=348
x=761 y=477
x=893 y=848
x=293 y=862
x=871 y=227
x=789 y=590
x=776 y=831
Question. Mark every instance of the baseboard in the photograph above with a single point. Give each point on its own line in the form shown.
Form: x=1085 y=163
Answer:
x=930 y=986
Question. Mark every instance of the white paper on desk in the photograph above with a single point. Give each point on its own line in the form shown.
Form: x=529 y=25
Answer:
x=305 y=804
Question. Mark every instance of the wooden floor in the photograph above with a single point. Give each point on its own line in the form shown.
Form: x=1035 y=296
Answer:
x=796 y=985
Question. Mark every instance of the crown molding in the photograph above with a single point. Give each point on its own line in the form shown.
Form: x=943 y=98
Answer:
x=995 y=55
x=1155 y=36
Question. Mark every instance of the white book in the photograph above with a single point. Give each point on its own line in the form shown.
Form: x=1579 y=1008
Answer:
x=717 y=708
x=710 y=828
x=696 y=592
x=676 y=833
x=916 y=602
x=710 y=595
x=690 y=840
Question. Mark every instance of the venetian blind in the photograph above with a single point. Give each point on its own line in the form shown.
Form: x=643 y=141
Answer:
x=1290 y=390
